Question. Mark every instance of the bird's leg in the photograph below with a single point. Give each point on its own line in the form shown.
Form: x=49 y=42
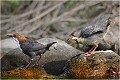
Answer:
x=27 y=65
x=91 y=50
x=55 y=48
x=38 y=60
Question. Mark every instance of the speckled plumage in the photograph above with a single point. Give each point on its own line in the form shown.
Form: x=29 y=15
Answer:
x=93 y=35
x=90 y=30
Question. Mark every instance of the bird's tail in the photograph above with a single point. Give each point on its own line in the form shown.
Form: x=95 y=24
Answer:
x=49 y=45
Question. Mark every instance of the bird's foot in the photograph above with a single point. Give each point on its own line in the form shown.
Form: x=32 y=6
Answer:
x=55 y=48
x=35 y=65
x=74 y=38
x=89 y=53
x=23 y=67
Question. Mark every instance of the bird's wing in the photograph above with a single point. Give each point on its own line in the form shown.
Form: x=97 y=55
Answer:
x=31 y=46
x=90 y=30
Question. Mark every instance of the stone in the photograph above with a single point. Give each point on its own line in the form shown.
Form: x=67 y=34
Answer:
x=8 y=44
x=30 y=73
x=53 y=61
x=13 y=59
x=101 y=65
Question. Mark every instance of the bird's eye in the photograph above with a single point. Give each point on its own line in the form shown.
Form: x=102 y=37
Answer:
x=14 y=35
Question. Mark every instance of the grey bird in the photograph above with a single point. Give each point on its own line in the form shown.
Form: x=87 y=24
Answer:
x=93 y=35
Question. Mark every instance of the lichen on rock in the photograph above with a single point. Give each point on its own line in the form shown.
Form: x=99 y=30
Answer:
x=102 y=64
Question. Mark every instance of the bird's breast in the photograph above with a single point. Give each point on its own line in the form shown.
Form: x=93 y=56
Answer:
x=25 y=46
x=92 y=41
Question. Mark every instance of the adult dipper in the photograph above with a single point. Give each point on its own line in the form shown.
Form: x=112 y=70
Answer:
x=31 y=47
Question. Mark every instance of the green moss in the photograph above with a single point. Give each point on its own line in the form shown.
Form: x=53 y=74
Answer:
x=10 y=6
x=15 y=2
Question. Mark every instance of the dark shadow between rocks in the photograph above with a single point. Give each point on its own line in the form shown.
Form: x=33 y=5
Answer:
x=55 y=67
x=12 y=61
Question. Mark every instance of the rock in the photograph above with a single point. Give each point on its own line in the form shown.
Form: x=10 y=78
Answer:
x=8 y=44
x=13 y=59
x=53 y=61
x=111 y=40
x=101 y=65
x=30 y=73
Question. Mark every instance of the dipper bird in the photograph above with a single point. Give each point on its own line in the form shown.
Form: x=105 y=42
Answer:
x=31 y=48
x=92 y=35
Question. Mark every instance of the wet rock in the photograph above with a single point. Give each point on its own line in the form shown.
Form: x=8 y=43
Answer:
x=101 y=65
x=53 y=61
x=30 y=73
x=36 y=72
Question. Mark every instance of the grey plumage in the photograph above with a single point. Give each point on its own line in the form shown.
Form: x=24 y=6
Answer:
x=95 y=29
x=90 y=30
x=33 y=48
x=93 y=35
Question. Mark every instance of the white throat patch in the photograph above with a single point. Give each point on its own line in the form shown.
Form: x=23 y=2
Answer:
x=16 y=40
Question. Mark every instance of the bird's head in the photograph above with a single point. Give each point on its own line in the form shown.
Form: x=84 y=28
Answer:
x=78 y=39
x=49 y=45
x=19 y=37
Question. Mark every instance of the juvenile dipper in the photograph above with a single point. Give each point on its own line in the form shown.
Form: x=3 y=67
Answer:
x=92 y=35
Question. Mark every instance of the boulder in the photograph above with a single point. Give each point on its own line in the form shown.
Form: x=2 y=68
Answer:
x=101 y=65
x=53 y=61
x=8 y=44
x=111 y=39
x=13 y=59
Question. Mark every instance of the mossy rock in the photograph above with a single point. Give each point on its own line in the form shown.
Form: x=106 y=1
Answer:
x=101 y=65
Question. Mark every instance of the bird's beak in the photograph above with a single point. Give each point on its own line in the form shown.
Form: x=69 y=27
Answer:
x=55 y=48
x=10 y=35
x=74 y=38
x=48 y=49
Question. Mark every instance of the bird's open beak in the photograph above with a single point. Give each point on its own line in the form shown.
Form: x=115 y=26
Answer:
x=10 y=35
x=55 y=48
x=48 y=49
x=74 y=38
